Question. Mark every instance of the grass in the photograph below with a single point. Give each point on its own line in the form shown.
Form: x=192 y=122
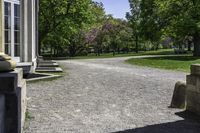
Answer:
x=110 y=55
x=28 y=116
x=177 y=63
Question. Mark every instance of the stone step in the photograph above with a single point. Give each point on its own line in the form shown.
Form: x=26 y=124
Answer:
x=46 y=61
x=26 y=66
x=49 y=69
x=48 y=64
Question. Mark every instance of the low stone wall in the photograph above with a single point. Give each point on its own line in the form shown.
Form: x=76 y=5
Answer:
x=12 y=101
x=193 y=90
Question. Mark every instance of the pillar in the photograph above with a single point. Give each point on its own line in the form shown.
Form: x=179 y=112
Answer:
x=1 y=27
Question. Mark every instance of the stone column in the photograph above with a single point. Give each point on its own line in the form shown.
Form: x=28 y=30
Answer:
x=1 y=27
x=12 y=101
x=193 y=90
x=24 y=31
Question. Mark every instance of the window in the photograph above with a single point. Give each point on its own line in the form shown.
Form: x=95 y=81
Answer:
x=12 y=27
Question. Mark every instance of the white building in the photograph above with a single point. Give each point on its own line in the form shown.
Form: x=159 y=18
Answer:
x=20 y=31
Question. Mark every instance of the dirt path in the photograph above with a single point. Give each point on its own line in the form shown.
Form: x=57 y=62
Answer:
x=106 y=95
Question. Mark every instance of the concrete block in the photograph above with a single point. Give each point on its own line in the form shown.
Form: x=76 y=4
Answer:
x=10 y=80
x=11 y=118
x=192 y=88
x=179 y=96
x=13 y=87
x=195 y=69
x=22 y=99
x=2 y=113
x=191 y=79
x=193 y=102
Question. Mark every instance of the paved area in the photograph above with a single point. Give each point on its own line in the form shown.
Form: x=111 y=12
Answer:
x=107 y=96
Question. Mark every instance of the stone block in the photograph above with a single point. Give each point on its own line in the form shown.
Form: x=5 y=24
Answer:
x=2 y=113
x=11 y=117
x=195 y=69
x=193 y=102
x=10 y=80
x=191 y=79
x=22 y=99
x=13 y=87
x=179 y=96
x=192 y=88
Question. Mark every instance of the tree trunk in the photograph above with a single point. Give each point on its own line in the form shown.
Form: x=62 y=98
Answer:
x=136 y=43
x=118 y=50
x=196 y=45
x=113 y=52
x=189 y=45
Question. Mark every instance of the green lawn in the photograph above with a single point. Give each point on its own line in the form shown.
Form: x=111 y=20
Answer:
x=178 y=63
x=110 y=55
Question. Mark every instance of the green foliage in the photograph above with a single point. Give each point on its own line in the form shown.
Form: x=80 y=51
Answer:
x=156 y=20
x=80 y=27
x=62 y=23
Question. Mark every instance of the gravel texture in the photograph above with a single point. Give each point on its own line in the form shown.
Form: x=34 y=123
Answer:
x=107 y=95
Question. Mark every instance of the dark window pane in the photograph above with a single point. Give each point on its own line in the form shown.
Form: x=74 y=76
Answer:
x=7 y=22
x=7 y=36
x=17 y=37
x=7 y=48
x=17 y=10
x=7 y=8
x=17 y=23
x=17 y=50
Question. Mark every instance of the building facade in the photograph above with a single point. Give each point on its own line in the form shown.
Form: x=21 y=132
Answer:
x=19 y=30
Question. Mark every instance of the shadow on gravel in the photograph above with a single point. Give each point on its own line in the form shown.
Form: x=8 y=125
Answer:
x=190 y=124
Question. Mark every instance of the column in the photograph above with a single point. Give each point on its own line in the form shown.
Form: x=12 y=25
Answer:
x=1 y=27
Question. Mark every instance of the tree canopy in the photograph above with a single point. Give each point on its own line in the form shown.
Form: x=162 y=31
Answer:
x=79 y=27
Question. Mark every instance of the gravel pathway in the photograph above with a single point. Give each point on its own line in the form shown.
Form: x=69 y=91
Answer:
x=107 y=95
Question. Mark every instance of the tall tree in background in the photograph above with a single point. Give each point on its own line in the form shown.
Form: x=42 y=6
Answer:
x=151 y=26
x=182 y=18
x=61 y=21
x=135 y=20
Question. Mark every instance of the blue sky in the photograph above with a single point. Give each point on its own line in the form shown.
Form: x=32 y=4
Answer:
x=117 y=8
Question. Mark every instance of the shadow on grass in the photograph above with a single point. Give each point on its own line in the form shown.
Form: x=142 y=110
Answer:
x=190 y=124
x=176 y=58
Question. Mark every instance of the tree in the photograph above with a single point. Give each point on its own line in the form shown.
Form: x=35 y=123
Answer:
x=63 y=20
x=151 y=26
x=134 y=19
x=182 y=19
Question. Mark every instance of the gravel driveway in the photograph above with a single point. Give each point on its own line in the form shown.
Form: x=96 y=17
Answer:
x=107 y=95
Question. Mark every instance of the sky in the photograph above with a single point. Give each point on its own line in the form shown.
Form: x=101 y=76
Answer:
x=117 y=8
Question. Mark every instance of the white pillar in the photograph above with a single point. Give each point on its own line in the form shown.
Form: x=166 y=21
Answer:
x=1 y=27
x=24 y=31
